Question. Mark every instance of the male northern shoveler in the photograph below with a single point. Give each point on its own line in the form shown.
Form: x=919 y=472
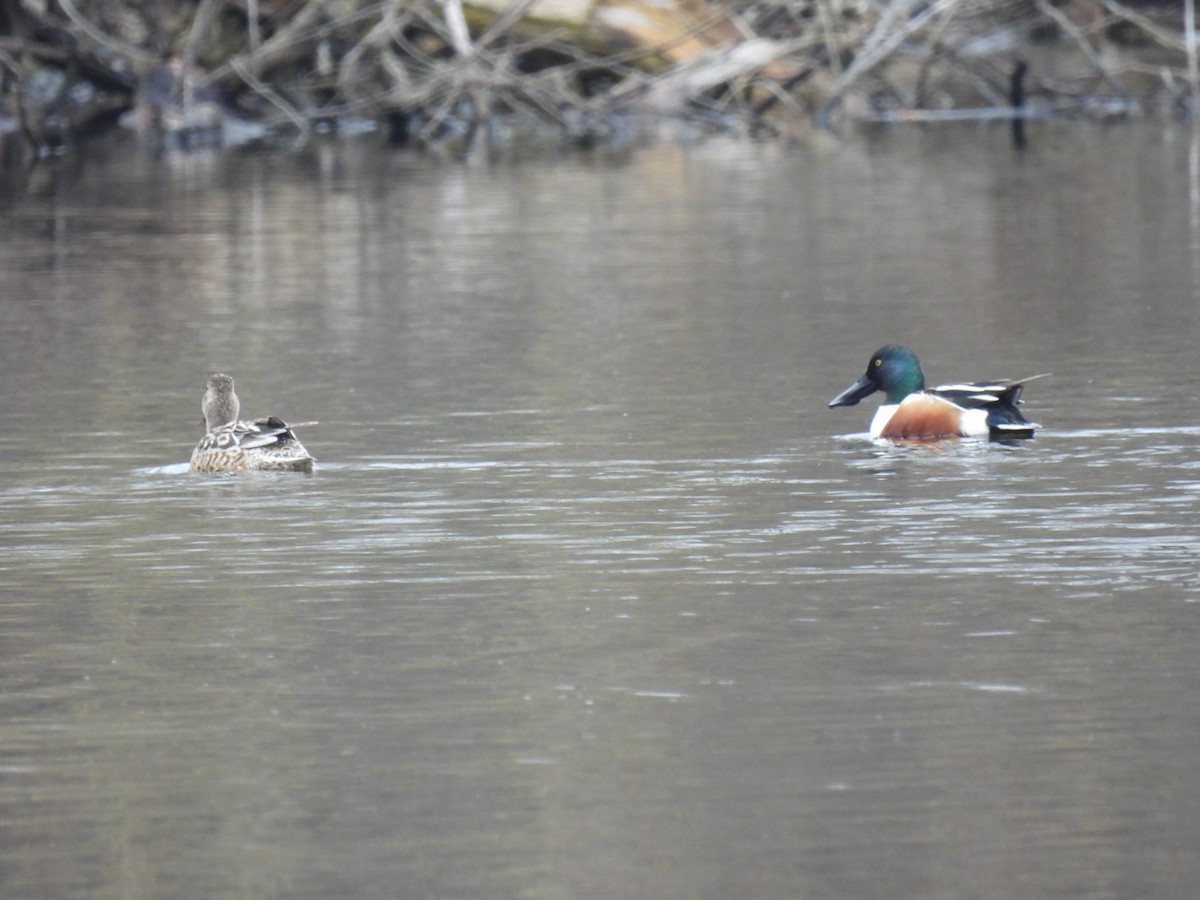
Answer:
x=913 y=411
x=234 y=446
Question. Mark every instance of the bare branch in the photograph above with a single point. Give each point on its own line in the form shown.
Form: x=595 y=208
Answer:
x=104 y=40
x=456 y=25
x=301 y=123
x=200 y=23
x=1060 y=19
x=880 y=45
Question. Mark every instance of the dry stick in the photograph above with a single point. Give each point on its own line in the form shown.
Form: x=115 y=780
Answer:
x=634 y=83
x=429 y=93
x=781 y=94
x=848 y=38
x=545 y=92
x=393 y=65
x=880 y=45
x=10 y=62
x=1160 y=35
x=514 y=91
x=878 y=35
x=199 y=27
x=439 y=115
x=1164 y=37
x=387 y=29
x=443 y=85
x=444 y=80
x=273 y=98
x=509 y=17
x=456 y=25
x=549 y=89
x=708 y=70
x=532 y=95
x=932 y=52
x=299 y=29
x=376 y=39
x=120 y=47
x=415 y=52
x=971 y=71
x=677 y=75
x=254 y=35
x=825 y=18
x=404 y=93
x=937 y=50
x=472 y=56
x=1061 y=20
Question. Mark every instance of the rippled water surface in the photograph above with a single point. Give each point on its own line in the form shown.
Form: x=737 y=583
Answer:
x=591 y=595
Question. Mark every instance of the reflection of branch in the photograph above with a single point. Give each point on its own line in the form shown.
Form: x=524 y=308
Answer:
x=999 y=113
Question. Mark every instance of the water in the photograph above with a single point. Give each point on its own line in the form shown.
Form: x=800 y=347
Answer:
x=591 y=596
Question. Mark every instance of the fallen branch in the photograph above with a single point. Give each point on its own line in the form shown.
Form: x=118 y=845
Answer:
x=671 y=91
x=880 y=45
x=302 y=124
x=104 y=40
x=1144 y=24
x=1060 y=19
x=185 y=82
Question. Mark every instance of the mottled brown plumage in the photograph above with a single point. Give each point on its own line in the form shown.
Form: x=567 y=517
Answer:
x=267 y=444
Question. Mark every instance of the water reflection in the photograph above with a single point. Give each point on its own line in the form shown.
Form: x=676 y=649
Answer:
x=590 y=595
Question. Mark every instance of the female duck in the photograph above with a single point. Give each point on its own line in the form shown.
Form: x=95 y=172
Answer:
x=234 y=446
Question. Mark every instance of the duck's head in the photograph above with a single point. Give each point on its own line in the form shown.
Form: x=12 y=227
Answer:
x=894 y=369
x=220 y=403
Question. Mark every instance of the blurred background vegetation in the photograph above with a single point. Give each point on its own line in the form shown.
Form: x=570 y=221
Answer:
x=464 y=75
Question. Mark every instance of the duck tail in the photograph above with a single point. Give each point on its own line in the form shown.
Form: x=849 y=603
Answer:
x=1012 y=393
